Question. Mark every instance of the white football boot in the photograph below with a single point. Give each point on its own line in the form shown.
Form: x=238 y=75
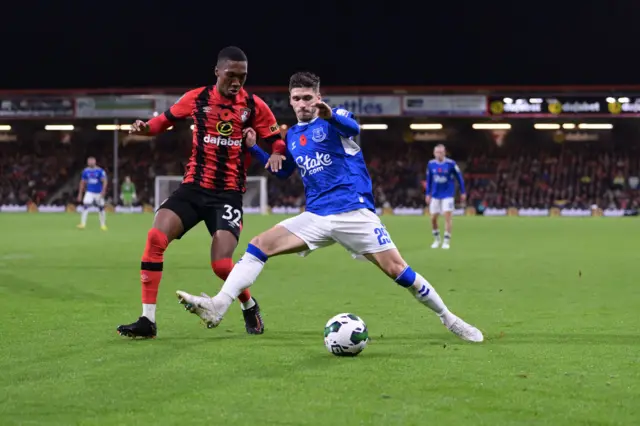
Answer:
x=461 y=329
x=435 y=244
x=445 y=245
x=202 y=306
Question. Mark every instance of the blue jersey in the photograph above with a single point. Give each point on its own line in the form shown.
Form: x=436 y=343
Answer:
x=440 y=179
x=93 y=177
x=330 y=163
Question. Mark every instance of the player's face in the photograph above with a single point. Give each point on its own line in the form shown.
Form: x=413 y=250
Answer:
x=231 y=77
x=91 y=162
x=127 y=179
x=438 y=153
x=302 y=100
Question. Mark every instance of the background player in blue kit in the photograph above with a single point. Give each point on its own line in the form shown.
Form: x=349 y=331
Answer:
x=94 y=182
x=440 y=193
x=340 y=208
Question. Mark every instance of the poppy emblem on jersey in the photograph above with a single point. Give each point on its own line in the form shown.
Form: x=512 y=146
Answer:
x=303 y=140
x=224 y=128
x=226 y=115
x=244 y=116
x=318 y=134
x=439 y=169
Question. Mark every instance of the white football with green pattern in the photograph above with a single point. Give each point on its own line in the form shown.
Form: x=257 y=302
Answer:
x=345 y=335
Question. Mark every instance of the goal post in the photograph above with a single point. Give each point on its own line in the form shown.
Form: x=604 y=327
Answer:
x=255 y=199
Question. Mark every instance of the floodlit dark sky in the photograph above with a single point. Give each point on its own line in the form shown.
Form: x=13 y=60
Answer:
x=49 y=44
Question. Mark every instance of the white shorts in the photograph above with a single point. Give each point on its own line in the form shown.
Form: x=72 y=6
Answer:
x=93 y=199
x=359 y=231
x=438 y=206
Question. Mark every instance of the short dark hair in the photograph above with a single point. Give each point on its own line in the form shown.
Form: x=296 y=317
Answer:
x=304 y=80
x=232 y=53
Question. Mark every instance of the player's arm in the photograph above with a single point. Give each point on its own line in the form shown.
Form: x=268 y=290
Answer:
x=266 y=126
x=178 y=111
x=103 y=179
x=82 y=185
x=288 y=165
x=428 y=185
x=341 y=119
x=460 y=179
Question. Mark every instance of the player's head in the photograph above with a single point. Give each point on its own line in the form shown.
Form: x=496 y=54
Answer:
x=231 y=71
x=439 y=152
x=91 y=161
x=127 y=179
x=304 y=93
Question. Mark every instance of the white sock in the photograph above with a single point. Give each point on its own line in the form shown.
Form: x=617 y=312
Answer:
x=243 y=274
x=149 y=311
x=103 y=217
x=248 y=304
x=436 y=235
x=83 y=216
x=428 y=296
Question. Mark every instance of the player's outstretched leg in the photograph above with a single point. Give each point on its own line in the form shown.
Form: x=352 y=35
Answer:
x=222 y=247
x=392 y=264
x=166 y=227
x=278 y=240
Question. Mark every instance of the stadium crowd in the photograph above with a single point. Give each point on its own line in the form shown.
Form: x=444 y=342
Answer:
x=578 y=177
x=33 y=171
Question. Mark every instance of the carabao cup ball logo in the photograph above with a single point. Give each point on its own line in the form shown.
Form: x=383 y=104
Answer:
x=224 y=128
x=614 y=107
x=555 y=107
x=496 y=107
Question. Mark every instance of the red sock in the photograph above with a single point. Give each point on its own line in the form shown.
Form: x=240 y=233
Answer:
x=151 y=265
x=222 y=268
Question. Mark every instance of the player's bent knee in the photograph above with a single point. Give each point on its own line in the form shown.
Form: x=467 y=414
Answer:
x=169 y=223
x=391 y=263
x=395 y=268
x=277 y=240
x=223 y=244
x=157 y=241
x=266 y=244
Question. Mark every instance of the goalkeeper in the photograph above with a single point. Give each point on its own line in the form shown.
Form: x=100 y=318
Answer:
x=128 y=192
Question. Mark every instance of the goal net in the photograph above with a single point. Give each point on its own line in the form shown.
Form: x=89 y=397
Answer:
x=255 y=198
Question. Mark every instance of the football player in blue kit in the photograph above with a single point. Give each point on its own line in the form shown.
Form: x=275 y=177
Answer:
x=94 y=182
x=442 y=172
x=340 y=209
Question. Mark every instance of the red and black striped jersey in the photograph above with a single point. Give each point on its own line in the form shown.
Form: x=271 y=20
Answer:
x=219 y=158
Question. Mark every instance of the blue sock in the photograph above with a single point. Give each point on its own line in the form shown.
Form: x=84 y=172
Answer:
x=255 y=251
x=406 y=278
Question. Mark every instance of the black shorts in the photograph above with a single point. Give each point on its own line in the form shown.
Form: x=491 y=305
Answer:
x=218 y=210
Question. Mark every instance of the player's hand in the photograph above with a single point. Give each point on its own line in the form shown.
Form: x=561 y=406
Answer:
x=463 y=198
x=275 y=162
x=139 y=128
x=427 y=199
x=324 y=110
x=249 y=137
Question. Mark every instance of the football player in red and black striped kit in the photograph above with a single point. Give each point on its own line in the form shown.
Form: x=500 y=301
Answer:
x=213 y=183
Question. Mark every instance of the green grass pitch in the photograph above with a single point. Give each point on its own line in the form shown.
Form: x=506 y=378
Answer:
x=557 y=298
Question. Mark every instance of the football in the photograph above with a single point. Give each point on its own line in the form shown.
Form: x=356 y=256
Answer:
x=345 y=335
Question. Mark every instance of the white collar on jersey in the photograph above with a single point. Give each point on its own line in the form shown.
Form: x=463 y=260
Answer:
x=304 y=123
